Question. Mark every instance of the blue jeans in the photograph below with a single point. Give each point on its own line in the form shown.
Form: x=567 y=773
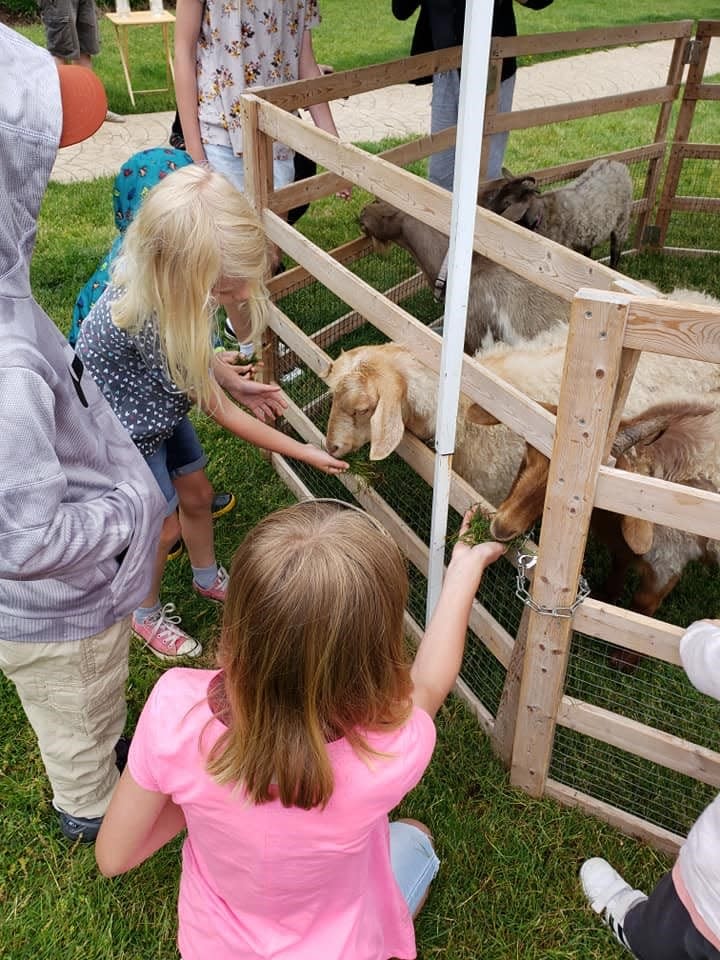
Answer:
x=223 y=160
x=444 y=114
x=414 y=862
x=180 y=454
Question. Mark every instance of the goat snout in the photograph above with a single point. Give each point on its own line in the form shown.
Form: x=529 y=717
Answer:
x=502 y=530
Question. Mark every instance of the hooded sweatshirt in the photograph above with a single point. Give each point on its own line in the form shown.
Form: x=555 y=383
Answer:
x=80 y=512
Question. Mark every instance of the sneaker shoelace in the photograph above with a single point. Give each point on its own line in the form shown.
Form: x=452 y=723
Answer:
x=166 y=627
x=222 y=580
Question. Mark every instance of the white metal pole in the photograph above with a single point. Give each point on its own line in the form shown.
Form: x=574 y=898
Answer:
x=471 y=118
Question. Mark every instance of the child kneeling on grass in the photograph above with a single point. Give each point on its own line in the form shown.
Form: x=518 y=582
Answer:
x=284 y=764
x=680 y=920
x=148 y=344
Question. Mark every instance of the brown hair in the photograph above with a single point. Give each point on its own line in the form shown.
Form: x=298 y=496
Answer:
x=312 y=649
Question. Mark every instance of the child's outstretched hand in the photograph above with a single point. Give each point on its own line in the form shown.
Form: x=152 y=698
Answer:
x=323 y=461
x=470 y=560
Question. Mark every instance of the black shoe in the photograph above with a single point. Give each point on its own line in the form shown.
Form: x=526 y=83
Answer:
x=176 y=550
x=121 y=753
x=79 y=828
x=222 y=503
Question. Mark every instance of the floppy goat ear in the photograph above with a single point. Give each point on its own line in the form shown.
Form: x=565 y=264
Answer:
x=638 y=534
x=386 y=424
x=516 y=211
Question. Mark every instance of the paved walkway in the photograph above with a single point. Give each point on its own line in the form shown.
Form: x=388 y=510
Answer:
x=403 y=110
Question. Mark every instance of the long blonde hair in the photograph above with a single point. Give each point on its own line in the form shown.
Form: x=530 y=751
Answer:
x=192 y=228
x=312 y=649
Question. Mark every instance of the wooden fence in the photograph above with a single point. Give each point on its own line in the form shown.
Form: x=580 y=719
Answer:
x=613 y=319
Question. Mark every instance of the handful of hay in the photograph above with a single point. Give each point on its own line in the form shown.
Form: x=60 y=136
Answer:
x=479 y=532
x=243 y=360
x=366 y=472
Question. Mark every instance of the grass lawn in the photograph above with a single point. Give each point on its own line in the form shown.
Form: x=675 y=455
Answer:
x=508 y=883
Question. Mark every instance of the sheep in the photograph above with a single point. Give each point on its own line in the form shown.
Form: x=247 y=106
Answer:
x=379 y=391
x=677 y=441
x=594 y=207
x=501 y=304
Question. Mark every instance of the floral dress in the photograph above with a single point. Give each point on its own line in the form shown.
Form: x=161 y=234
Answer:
x=242 y=44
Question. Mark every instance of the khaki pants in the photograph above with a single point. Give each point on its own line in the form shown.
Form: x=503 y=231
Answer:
x=73 y=695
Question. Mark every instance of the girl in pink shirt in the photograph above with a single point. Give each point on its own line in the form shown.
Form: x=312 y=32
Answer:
x=284 y=764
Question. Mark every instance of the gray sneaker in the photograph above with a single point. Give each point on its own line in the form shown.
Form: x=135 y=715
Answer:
x=79 y=828
x=112 y=117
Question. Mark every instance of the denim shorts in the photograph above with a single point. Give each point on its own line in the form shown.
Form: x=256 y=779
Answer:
x=230 y=165
x=414 y=862
x=179 y=455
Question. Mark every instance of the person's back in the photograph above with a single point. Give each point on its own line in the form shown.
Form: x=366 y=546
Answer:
x=264 y=879
x=285 y=764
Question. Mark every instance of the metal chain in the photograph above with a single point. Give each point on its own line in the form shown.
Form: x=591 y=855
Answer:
x=526 y=561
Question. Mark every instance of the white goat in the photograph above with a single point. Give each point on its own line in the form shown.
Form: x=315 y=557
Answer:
x=592 y=209
x=379 y=391
x=501 y=305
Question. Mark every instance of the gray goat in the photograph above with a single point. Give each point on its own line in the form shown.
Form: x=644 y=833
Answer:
x=590 y=210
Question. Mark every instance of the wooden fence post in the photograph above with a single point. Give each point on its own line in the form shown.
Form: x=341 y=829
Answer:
x=590 y=378
x=258 y=160
x=683 y=127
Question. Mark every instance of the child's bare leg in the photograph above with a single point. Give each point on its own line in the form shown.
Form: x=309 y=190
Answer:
x=169 y=533
x=195 y=495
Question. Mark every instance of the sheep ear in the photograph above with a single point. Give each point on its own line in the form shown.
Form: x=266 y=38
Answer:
x=386 y=424
x=638 y=534
x=516 y=211
x=477 y=414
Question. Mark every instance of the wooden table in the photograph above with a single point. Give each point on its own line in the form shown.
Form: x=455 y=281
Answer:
x=143 y=18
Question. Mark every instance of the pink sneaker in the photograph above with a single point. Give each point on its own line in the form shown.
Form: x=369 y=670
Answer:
x=218 y=590
x=163 y=635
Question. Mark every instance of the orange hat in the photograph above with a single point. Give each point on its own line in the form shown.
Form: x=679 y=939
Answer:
x=84 y=103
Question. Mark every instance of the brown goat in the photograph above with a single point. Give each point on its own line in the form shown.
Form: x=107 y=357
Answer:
x=679 y=442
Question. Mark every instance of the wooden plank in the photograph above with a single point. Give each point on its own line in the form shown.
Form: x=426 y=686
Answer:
x=696 y=204
x=660 y=501
x=325 y=184
x=297 y=277
x=699 y=151
x=703 y=91
x=567 y=171
x=578 y=109
x=523 y=46
x=589 y=381
x=671 y=327
x=628 y=823
x=291 y=480
x=641 y=740
x=503 y=735
x=630 y=630
x=345 y=83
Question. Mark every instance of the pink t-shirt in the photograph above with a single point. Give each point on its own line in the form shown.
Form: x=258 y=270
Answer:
x=266 y=881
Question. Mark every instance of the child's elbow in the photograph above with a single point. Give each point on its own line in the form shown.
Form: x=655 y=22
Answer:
x=108 y=864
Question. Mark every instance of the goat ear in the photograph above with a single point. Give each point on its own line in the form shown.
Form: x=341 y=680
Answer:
x=386 y=424
x=506 y=173
x=638 y=534
x=477 y=414
x=516 y=211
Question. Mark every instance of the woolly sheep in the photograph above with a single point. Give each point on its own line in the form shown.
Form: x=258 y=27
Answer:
x=592 y=209
x=501 y=305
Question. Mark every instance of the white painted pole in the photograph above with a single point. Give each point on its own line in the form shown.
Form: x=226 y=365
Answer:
x=471 y=118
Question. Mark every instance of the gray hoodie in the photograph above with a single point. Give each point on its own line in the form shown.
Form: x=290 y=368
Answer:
x=80 y=512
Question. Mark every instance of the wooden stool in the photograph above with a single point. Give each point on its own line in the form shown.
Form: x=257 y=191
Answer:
x=143 y=18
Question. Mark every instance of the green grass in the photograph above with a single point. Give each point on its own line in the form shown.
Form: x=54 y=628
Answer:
x=507 y=887
x=357 y=34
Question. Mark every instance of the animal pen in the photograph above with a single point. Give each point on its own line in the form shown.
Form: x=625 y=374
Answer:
x=635 y=749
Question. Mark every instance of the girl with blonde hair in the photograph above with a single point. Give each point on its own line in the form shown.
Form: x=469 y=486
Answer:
x=284 y=763
x=148 y=343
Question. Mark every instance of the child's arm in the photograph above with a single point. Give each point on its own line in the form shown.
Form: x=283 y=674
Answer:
x=439 y=656
x=188 y=20
x=138 y=822
x=700 y=655
x=230 y=416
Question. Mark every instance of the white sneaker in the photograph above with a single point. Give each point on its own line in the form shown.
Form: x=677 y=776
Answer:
x=112 y=117
x=609 y=895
